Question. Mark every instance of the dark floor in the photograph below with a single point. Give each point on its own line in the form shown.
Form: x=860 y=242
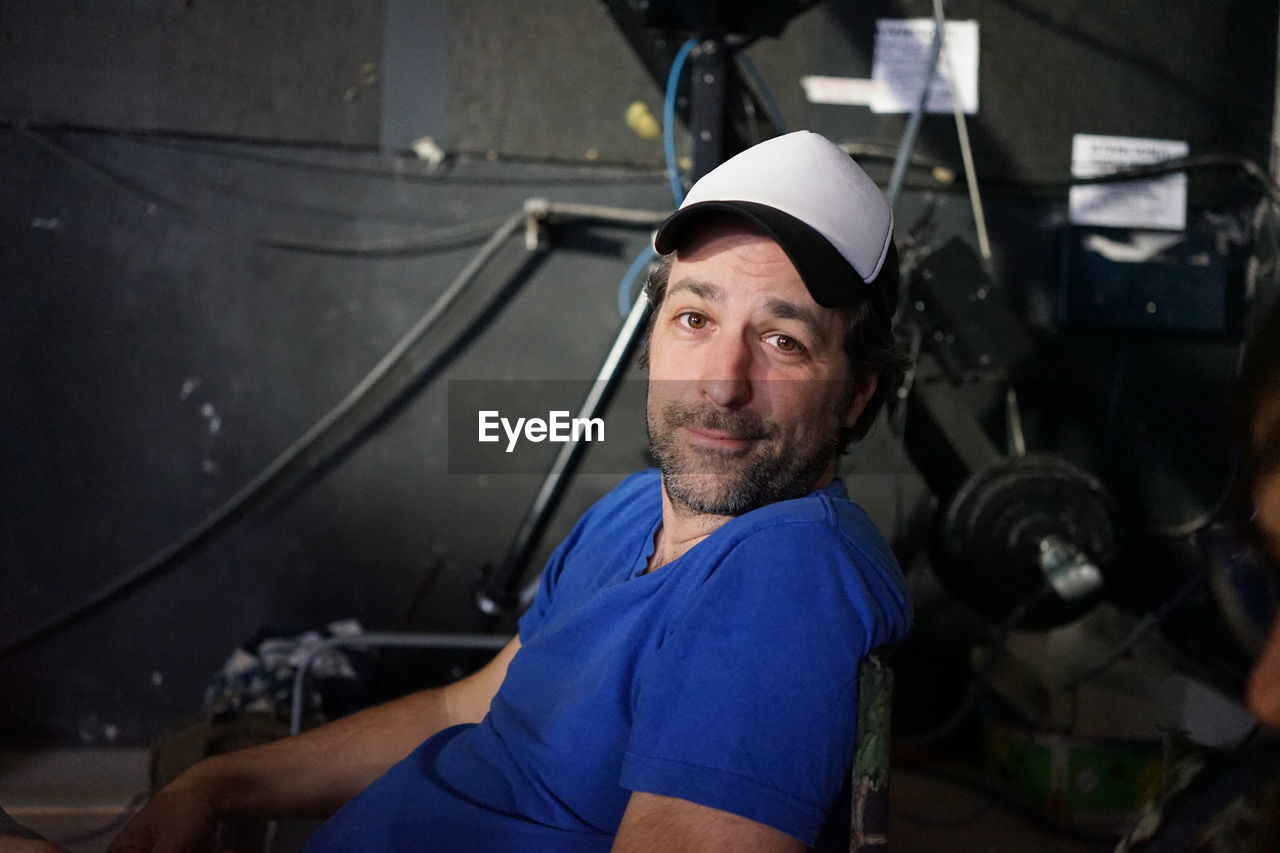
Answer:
x=71 y=794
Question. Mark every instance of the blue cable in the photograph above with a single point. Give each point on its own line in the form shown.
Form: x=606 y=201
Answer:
x=770 y=105
x=669 y=120
x=633 y=272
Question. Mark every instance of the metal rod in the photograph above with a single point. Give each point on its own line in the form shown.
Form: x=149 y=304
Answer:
x=912 y=129
x=708 y=86
x=603 y=213
x=496 y=594
x=962 y=131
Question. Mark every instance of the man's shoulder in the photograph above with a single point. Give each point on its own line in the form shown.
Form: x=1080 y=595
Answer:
x=825 y=539
x=823 y=515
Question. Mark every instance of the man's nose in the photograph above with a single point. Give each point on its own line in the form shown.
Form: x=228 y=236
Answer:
x=726 y=372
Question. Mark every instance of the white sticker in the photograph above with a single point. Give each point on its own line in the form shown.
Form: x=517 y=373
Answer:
x=902 y=53
x=1159 y=203
x=850 y=91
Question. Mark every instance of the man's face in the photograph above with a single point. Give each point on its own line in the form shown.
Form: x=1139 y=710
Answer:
x=749 y=385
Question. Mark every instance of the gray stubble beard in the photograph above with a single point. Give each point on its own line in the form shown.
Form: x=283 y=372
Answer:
x=767 y=475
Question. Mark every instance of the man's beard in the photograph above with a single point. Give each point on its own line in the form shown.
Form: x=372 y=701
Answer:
x=728 y=482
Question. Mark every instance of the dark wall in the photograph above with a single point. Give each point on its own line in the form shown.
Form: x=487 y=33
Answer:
x=158 y=346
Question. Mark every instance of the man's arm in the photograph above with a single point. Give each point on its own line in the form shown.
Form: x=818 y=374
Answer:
x=654 y=823
x=16 y=838
x=312 y=774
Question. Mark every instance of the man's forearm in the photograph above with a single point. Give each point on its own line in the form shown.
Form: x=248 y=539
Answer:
x=313 y=774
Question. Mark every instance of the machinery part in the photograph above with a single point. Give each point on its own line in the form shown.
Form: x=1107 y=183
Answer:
x=708 y=86
x=654 y=29
x=1070 y=571
x=967 y=325
x=1020 y=525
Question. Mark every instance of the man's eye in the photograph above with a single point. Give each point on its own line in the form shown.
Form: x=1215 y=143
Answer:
x=786 y=343
x=694 y=321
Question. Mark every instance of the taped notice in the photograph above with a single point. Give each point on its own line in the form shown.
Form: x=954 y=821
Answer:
x=902 y=53
x=851 y=91
x=1159 y=203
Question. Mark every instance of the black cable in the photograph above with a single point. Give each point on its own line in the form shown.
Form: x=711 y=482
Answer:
x=404 y=244
x=995 y=654
x=1191 y=163
x=1144 y=627
x=383 y=379
x=403 y=168
x=869 y=149
x=956 y=182
x=346 y=214
x=396 y=166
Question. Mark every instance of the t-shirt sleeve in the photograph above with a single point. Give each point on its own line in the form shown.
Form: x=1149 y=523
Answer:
x=749 y=701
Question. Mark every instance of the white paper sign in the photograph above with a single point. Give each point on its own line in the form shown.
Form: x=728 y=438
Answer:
x=1159 y=203
x=902 y=53
x=850 y=91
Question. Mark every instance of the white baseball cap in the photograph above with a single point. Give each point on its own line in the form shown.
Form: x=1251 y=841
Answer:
x=827 y=215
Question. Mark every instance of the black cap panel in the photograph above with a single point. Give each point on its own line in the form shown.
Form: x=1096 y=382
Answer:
x=830 y=278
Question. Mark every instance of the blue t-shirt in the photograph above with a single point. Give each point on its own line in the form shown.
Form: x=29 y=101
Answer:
x=727 y=677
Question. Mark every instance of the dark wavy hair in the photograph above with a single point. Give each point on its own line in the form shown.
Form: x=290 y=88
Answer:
x=869 y=343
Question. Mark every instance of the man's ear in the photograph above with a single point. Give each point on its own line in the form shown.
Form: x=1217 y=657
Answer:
x=866 y=390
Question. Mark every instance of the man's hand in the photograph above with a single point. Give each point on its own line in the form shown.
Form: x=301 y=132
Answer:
x=309 y=775
x=182 y=817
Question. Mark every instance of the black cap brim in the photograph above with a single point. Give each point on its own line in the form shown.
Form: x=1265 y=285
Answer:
x=831 y=279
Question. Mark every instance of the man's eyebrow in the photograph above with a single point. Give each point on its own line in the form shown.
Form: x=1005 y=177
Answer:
x=785 y=310
x=702 y=289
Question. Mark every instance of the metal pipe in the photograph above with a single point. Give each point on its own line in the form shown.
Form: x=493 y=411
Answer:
x=603 y=213
x=494 y=596
x=912 y=129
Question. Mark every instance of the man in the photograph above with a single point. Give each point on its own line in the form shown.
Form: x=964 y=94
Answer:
x=687 y=676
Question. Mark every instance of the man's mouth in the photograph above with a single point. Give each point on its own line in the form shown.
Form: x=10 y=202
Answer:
x=720 y=439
